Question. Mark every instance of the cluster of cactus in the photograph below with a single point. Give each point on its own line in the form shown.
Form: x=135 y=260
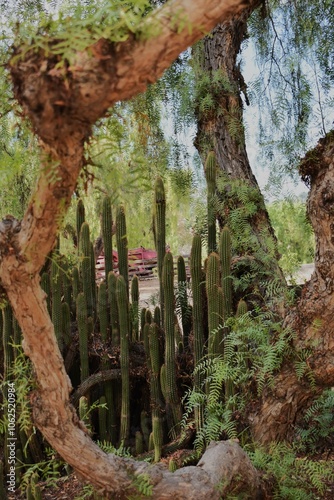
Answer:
x=102 y=325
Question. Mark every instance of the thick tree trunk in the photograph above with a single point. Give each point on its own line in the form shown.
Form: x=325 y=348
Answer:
x=221 y=129
x=313 y=318
x=62 y=109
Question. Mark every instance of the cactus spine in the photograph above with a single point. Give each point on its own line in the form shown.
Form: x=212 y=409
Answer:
x=107 y=235
x=122 y=246
x=210 y=175
x=159 y=224
x=174 y=411
x=83 y=336
x=123 y=311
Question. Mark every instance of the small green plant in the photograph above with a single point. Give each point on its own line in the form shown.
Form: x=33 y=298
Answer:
x=48 y=471
x=318 y=424
x=143 y=484
x=294 y=478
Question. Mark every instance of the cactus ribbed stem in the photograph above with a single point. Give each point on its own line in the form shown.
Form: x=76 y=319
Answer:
x=210 y=175
x=156 y=395
x=157 y=316
x=172 y=398
x=80 y=218
x=196 y=283
x=122 y=246
x=214 y=303
x=86 y=268
x=139 y=440
x=242 y=308
x=66 y=323
x=114 y=318
x=160 y=232
x=183 y=299
x=225 y=252
x=92 y=275
x=66 y=283
x=83 y=336
x=103 y=311
x=107 y=235
x=75 y=287
x=135 y=307
x=142 y=322
x=123 y=311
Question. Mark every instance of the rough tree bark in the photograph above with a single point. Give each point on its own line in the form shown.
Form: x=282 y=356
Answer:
x=62 y=112
x=313 y=317
x=221 y=129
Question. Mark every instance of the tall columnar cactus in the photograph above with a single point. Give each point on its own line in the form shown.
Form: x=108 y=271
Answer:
x=108 y=386
x=93 y=277
x=56 y=289
x=172 y=397
x=123 y=311
x=159 y=225
x=83 y=336
x=46 y=287
x=86 y=268
x=66 y=282
x=80 y=218
x=66 y=324
x=75 y=287
x=114 y=317
x=135 y=307
x=242 y=308
x=196 y=283
x=214 y=295
x=103 y=310
x=183 y=299
x=225 y=252
x=122 y=246
x=142 y=322
x=156 y=395
x=210 y=175
x=107 y=235
x=157 y=316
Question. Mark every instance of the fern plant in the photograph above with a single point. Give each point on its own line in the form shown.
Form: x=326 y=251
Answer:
x=293 y=477
x=317 y=427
